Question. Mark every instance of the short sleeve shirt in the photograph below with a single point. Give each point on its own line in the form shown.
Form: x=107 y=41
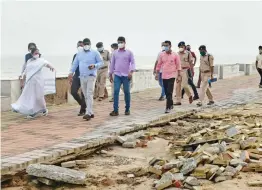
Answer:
x=259 y=61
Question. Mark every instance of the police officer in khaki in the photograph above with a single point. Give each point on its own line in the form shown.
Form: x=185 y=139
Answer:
x=259 y=65
x=186 y=63
x=206 y=69
x=102 y=73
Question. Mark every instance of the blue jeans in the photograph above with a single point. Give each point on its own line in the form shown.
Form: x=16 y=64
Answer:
x=160 y=81
x=126 y=86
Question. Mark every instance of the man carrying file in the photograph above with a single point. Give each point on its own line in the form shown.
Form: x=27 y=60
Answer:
x=206 y=70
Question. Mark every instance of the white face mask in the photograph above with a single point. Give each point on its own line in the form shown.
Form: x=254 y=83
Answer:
x=121 y=45
x=163 y=48
x=181 y=49
x=80 y=48
x=86 y=47
x=100 y=49
x=36 y=56
x=260 y=51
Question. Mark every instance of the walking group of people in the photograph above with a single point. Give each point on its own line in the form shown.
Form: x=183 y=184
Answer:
x=91 y=68
x=171 y=66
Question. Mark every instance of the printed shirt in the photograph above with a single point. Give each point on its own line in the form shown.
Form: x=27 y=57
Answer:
x=170 y=64
x=122 y=62
x=259 y=61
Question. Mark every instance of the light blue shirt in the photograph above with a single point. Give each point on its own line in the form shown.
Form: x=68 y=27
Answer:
x=84 y=59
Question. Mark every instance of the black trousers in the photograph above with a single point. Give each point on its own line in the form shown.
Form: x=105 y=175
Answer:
x=191 y=83
x=260 y=72
x=74 y=91
x=169 y=87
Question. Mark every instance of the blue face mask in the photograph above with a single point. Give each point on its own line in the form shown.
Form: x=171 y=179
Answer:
x=166 y=48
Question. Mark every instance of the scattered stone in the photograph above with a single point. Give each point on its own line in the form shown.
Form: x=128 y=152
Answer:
x=69 y=164
x=178 y=177
x=245 y=156
x=155 y=169
x=189 y=165
x=255 y=183
x=130 y=175
x=46 y=181
x=187 y=186
x=231 y=132
x=222 y=178
x=57 y=173
x=104 y=152
x=154 y=160
x=129 y=144
x=173 y=164
x=192 y=181
x=121 y=139
x=81 y=162
x=236 y=162
x=165 y=181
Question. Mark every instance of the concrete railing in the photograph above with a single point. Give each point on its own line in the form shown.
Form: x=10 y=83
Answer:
x=142 y=79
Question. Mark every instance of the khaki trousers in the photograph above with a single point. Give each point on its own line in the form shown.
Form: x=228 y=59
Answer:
x=204 y=89
x=100 y=83
x=182 y=84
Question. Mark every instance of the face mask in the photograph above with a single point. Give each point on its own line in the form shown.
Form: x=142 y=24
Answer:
x=121 y=45
x=86 y=47
x=36 y=56
x=100 y=49
x=163 y=48
x=112 y=50
x=181 y=49
x=80 y=48
x=202 y=53
x=166 y=48
x=260 y=51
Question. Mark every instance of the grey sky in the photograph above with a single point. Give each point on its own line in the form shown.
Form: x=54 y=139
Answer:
x=227 y=28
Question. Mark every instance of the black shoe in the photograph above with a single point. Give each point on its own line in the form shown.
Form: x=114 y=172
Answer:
x=127 y=112
x=195 y=98
x=87 y=117
x=92 y=116
x=210 y=103
x=113 y=113
x=177 y=104
x=161 y=98
x=81 y=113
x=167 y=110
x=199 y=104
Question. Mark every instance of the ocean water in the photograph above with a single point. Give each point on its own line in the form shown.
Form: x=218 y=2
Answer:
x=11 y=66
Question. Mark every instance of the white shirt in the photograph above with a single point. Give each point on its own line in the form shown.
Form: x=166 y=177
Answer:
x=259 y=61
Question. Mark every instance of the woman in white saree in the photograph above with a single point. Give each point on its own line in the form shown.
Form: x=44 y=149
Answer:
x=32 y=100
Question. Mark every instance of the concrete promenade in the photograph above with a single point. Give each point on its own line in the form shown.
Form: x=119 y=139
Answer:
x=63 y=132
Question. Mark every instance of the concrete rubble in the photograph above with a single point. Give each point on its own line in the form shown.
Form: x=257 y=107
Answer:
x=216 y=153
x=137 y=139
x=57 y=173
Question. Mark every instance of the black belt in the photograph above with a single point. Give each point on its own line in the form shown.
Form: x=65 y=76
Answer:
x=205 y=71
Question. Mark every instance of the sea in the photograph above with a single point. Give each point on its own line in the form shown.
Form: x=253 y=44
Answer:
x=11 y=66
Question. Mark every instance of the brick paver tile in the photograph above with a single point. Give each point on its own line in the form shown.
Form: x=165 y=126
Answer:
x=62 y=124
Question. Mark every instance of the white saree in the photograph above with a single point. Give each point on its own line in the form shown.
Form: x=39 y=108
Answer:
x=39 y=82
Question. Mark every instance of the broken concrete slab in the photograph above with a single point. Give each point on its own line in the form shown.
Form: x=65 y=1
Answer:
x=236 y=162
x=57 y=173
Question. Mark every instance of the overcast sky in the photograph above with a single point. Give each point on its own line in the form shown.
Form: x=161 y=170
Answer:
x=225 y=27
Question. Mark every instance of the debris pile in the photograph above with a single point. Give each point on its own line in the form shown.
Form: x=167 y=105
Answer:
x=137 y=139
x=217 y=153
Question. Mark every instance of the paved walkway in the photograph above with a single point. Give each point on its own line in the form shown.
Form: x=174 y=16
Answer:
x=62 y=125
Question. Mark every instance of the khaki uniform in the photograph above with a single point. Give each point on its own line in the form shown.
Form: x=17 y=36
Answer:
x=206 y=62
x=102 y=75
x=186 y=59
